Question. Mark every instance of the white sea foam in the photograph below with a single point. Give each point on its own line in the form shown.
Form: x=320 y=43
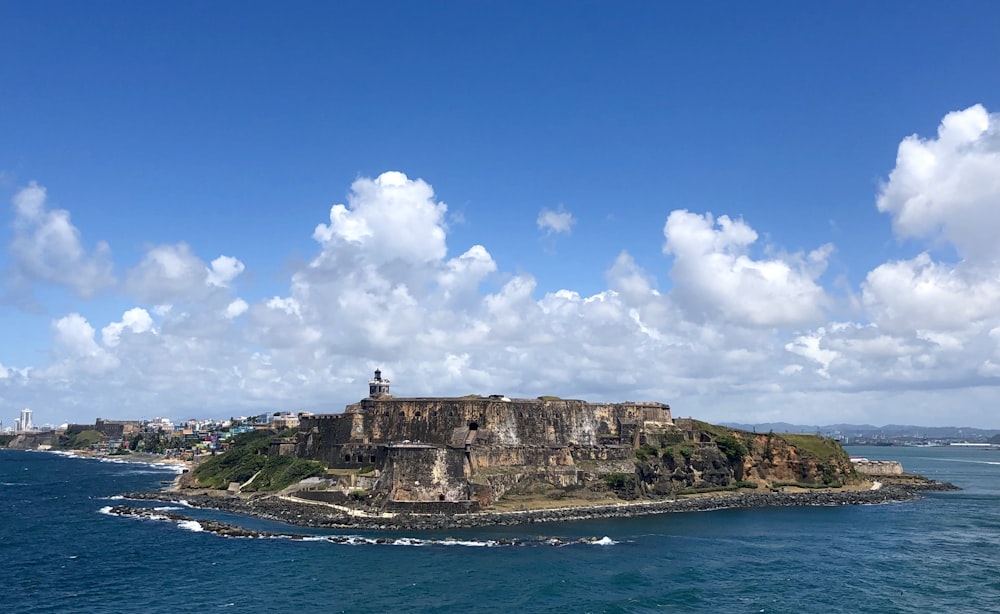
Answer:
x=106 y=510
x=191 y=525
x=604 y=541
x=114 y=498
x=166 y=508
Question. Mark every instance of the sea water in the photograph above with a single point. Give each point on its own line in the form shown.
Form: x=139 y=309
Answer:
x=60 y=553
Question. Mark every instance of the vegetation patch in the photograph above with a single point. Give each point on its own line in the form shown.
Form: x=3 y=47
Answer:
x=822 y=448
x=282 y=471
x=5 y=440
x=733 y=447
x=620 y=481
x=246 y=456
x=646 y=451
x=79 y=440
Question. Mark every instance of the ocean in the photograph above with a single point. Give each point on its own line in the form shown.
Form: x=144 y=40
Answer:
x=60 y=551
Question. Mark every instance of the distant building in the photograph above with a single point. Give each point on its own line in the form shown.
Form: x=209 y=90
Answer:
x=26 y=420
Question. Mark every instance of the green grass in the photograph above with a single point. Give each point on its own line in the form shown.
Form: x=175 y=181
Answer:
x=247 y=455
x=822 y=448
x=281 y=471
x=80 y=439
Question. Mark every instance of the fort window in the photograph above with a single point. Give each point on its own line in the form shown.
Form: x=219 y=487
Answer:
x=416 y=415
x=402 y=414
x=441 y=497
x=347 y=458
x=473 y=426
x=373 y=458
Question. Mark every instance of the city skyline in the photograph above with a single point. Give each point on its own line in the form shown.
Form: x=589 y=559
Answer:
x=753 y=213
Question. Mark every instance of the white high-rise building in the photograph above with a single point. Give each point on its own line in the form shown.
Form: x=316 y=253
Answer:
x=26 y=420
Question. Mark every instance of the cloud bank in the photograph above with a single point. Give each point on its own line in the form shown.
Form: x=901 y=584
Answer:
x=746 y=332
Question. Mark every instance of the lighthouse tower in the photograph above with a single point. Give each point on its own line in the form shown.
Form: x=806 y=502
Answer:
x=377 y=386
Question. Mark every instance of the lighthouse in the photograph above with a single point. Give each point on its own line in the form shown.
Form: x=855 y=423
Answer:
x=377 y=386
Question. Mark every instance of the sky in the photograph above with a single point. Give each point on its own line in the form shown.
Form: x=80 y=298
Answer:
x=754 y=212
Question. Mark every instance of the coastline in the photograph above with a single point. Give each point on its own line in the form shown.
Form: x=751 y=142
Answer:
x=139 y=458
x=313 y=514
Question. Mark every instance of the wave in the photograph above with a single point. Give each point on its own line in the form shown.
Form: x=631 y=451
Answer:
x=225 y=530
x=964 y=460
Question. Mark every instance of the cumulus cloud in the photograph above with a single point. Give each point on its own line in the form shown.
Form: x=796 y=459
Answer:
x=48 y=248
x=920 y=294
x=173 y=272
x=224 y=269
x=387 y=218
x=76 y=350
x=136 y=320
x=557 y=221
x=715 y=276
x=948 y=188
x=736 y=330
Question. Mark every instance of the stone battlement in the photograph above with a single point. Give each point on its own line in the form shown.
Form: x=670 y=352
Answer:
x=474 y=448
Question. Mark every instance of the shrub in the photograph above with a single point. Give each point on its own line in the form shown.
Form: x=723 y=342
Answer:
x=645 y=451
x=618 y=481
x=733 y=448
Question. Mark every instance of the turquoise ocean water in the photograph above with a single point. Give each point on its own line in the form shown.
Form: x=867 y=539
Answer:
x=60 y=553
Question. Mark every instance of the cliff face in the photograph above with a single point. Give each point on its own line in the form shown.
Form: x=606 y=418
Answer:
x=701 y=456
x=479 y=450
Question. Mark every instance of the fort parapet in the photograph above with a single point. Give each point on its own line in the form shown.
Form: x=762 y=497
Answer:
x=473 y=449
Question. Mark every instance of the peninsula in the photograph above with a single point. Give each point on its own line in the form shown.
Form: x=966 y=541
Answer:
x=389 y=462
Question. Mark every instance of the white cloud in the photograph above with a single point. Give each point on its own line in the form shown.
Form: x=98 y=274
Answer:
x=555 y=221
x=389 y=218
x=224 y=269
x=236 y=308
x=730 y=334
x=923 y=294
x=173 y=272
x=137 y=320
x=714 y=275
x=48 y=248
x=76 y=351
x=948 y=188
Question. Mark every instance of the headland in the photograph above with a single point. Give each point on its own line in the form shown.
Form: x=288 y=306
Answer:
x=436 y=463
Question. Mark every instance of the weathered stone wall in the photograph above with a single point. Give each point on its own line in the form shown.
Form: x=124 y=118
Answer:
x=515 y=422
x=878 y=467
x=425 y=473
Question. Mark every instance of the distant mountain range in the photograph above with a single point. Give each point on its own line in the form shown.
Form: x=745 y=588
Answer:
x=871 y=432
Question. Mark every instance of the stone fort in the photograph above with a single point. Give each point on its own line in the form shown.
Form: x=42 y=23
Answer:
x=471 y=450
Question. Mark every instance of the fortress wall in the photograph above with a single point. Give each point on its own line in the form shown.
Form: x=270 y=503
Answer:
x=516 y=422
x=878 y=467
x=426 y=474
x=520 y=456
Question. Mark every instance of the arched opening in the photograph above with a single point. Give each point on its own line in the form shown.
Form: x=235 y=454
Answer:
x=441 y=497
x=473 y=426
x=416 y=415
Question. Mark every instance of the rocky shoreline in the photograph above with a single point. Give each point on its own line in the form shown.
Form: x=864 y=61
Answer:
x=318 y=515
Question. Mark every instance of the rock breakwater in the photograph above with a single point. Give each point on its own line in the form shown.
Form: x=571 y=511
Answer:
x=319 y=515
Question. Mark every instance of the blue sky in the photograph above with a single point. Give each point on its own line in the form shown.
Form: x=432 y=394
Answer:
x=184 y=132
